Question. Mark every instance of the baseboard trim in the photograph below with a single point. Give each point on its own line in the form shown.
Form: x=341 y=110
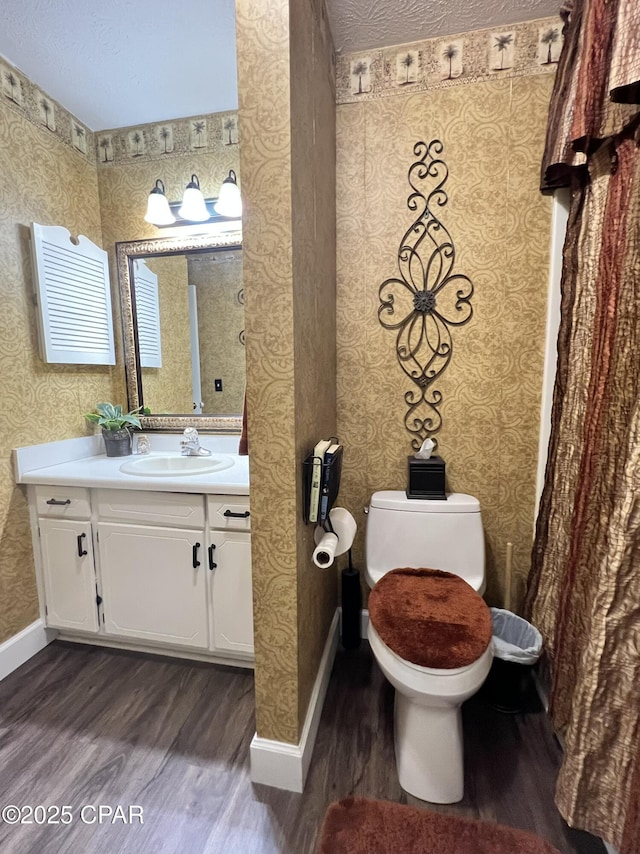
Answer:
x=285 y=766
x=364 y=623
x=23 y=646
x=152 y=649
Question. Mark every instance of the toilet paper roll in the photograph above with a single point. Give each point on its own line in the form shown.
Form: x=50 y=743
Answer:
x=344 y=531
x=325 y=551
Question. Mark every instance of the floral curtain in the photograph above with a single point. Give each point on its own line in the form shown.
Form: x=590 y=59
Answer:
x=584 y=584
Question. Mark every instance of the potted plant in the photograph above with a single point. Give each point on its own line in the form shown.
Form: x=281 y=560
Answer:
x=116 y=427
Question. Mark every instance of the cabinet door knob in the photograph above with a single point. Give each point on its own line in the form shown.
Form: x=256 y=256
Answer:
x=56 y=503
x=212 y=563
x=81 y=551
x=231 y=515
x=196 y=562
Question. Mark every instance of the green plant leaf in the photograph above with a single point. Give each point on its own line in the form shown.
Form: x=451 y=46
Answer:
x=111 y=417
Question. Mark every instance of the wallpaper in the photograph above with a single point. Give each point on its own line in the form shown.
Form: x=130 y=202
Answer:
x=45 y=180
x=125 y=180
x=169 y=388
x=288 y=228
x=493 y=135
x=313 y=159
x=208 y=134
x=517 y=50
x=36 y=106
x=265 y=160
x=220 y=294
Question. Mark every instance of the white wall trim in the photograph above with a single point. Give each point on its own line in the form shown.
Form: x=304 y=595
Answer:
x=23 y=646
x=285 y=766
x=364 y=623
x=559 y=217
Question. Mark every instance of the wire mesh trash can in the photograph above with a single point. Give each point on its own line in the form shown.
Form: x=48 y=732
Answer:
x=517 y=646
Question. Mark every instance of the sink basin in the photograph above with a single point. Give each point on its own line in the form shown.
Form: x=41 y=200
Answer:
x=173 y=465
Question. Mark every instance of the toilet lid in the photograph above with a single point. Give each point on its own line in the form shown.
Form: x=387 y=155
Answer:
x=430 y=618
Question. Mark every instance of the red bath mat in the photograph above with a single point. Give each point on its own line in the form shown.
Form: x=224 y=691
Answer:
x=362 y=826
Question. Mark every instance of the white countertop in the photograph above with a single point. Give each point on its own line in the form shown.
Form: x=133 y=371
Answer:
x=80 y=462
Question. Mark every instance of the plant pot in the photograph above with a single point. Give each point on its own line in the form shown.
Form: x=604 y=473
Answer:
x=117 y=443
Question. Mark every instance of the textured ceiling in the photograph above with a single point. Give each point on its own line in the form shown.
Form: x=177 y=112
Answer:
x=123 y=62
x=359 y=25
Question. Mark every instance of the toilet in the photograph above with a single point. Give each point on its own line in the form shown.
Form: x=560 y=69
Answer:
x=429 y=629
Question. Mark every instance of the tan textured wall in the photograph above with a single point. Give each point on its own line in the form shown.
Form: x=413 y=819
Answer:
x=219 y=287
x=169 y=389
x=313 y=168
x=45 y=180
x=284 y=295
x=493 y=134
x=265 y=160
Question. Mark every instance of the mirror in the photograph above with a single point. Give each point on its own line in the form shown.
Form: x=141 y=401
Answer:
x=181 y=301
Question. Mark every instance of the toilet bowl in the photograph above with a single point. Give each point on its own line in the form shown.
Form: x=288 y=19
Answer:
x=429 y=630
x=428 y=721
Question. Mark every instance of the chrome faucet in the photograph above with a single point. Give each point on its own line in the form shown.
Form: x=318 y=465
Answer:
x=190 y=444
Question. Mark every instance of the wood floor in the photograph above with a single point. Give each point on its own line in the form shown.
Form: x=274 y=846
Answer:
x=82 y=725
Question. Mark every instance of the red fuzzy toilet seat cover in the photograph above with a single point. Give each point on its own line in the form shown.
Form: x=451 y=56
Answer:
x=430 y=618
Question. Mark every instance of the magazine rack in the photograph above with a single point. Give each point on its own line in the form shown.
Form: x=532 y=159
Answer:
x=329 y=486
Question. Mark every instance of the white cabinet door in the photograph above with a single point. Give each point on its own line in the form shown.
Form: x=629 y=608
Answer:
x=151 y=588
x=230 y=591
x=69 y=574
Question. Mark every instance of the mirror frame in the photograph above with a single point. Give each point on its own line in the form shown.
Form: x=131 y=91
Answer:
x=126 y=253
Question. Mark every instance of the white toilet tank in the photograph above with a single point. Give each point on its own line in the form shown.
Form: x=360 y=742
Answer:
x=441 y=534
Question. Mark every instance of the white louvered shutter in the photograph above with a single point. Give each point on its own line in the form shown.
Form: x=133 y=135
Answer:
x=74 y=298
x=147 y=315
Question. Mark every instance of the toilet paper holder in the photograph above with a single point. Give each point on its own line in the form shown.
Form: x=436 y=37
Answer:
x=336 y=541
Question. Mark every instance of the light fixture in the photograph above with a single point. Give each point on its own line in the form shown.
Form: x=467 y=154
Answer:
x=158 y=210
x=229 y=201
x=193 y=207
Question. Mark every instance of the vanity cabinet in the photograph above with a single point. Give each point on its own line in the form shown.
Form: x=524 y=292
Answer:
x=152 y=569
x=153 y=584
x=66 y=544
x=230 y=570
x=148 y=569
x=68 y=574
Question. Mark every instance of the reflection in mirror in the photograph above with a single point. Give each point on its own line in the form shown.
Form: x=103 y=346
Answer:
x=183 y=322
x=190 y=321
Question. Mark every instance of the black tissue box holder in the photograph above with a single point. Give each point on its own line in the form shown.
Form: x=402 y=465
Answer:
x=426 y=478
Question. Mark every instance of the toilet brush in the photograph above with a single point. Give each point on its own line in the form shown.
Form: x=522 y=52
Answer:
x=351 y=606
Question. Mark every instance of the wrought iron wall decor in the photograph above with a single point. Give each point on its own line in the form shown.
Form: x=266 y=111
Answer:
x=428 y=296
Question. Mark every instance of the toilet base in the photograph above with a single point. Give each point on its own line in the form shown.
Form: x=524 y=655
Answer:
x=429 y=752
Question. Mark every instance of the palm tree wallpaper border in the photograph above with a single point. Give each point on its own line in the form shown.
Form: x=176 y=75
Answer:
x=407 y=62
x=111 y=145
x=503 y=50
x=360 y=74
x=450 y=54
x=549 y=44
x=164 y=137
x=532 y=47
x=22 y=95
x=197 y=134
x=47 y=110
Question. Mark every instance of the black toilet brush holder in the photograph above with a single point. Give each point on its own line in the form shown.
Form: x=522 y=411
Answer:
x=351 y=606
